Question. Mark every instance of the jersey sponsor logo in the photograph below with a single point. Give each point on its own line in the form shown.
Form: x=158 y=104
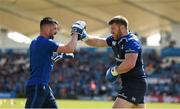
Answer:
x=130 y=50
x=133 y=98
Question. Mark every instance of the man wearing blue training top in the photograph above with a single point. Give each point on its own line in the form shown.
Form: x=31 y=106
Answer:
x=129 y=63
x=38 y=92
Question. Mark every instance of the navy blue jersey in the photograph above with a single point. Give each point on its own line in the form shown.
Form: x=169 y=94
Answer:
x=41 y=50
x=128 y=44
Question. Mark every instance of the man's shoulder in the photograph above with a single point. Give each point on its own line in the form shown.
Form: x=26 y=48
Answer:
x=109 y=40
x=129 y=40
x=38 y=42
x=41 y=40
x=133 y=37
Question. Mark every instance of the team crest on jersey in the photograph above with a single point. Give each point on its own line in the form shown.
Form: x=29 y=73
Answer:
x=122 y=47
x=113 y=43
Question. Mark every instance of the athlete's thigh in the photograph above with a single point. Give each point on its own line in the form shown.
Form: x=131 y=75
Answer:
x=39 y=97
x=122 y=103
x=50 y=101
x=29 y=92
x=134 y=91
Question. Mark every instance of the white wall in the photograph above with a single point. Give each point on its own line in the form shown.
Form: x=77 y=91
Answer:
x=5 y=42
x=176 y=33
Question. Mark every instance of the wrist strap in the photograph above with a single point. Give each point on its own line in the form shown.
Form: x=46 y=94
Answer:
x=85 y=39
x=114 y=72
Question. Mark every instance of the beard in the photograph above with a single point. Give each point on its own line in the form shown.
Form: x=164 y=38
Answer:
x=51 y=37
x=117 y=35
x=55 y=33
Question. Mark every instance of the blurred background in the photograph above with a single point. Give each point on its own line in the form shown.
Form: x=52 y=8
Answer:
x=156 y=22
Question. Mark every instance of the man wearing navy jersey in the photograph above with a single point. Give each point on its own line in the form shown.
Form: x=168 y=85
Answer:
x=38 y=92
x=129 y=64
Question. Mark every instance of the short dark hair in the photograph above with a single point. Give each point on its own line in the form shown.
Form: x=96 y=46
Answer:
x=119 y=20
x=48 y=20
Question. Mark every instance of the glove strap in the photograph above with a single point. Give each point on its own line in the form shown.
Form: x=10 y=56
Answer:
x=85 y=39
x=76 y=30
x=114 y=72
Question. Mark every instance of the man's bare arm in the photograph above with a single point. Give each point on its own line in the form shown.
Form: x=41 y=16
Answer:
x=96 y=42
x=128 y=63
x=69 y=47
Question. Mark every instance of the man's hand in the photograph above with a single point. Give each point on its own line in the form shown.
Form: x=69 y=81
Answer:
x=111 y=74
x=78 y=27
x=84 y=36
x=59 y=56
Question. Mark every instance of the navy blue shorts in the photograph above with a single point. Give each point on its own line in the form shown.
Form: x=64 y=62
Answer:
x=39 y=96
x=133 y=90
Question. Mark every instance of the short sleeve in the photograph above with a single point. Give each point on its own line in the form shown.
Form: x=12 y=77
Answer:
x=52 y=45
x=132 y=46
x=109 y=41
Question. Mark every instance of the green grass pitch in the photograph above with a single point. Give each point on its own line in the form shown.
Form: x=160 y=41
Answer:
x=19 y=103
